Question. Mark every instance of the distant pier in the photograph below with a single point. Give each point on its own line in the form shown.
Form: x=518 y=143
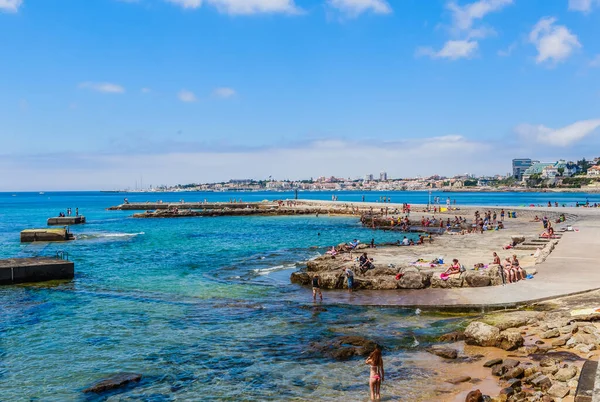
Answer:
x=66 y=220
x=37 y=269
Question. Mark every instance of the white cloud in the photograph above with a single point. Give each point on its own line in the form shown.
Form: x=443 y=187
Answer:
x=555 y=43
x=187 y=3
x=246 y=7
x=146 y=90
x=186 y=96
x=464 y=16
x=508 y=51
x=356 y=7
x=103 y=87
x=11 y=6
x=196 y=164
x=560 y=137
x=453 y=50
x=584 y=6
x=595 y=61
x=224 y=92
x=243 y=7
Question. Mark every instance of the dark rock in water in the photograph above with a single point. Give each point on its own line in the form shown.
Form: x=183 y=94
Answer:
x=492 y=362
x=459 y=380
x=452 y=337
x=113 y=382
x=446 y=353
x=313 y=308
x=508 y=391
x=345 y=347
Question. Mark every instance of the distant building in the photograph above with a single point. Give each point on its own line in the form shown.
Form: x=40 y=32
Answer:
x=368 y=177
x=383 y=176
x=536 y=168
x=519 y=166
x=594 y=171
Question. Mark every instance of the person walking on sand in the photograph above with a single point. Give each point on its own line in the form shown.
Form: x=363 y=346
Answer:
x=316 y=285
x=376 y=375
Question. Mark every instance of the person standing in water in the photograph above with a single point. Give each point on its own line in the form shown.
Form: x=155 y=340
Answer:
x=376 y=375
x=316 y=285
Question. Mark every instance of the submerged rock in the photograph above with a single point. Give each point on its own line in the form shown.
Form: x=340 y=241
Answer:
x=115 y=381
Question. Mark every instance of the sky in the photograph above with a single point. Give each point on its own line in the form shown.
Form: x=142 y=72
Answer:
x=104 y=94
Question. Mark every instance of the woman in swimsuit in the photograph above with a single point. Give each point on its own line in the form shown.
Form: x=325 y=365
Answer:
x=517 y=268
x=509 y=273
x=377 y=374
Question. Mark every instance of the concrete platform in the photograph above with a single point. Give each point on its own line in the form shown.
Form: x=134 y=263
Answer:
x=37 y=269
x=34 y=235
x=573 y=267
x=66 y=220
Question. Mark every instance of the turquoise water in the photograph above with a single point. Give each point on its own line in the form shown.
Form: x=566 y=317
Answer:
x=202 y=307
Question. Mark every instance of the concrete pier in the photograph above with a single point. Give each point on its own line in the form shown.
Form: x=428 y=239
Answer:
x=66 y=220
x=37 y=269
x=33 y=235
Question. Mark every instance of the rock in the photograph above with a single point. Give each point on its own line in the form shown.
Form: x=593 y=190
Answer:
x=548 y=362
x=567 y=329
x=513 y=319
x=498 y=370
x=573 y=383
x=476 y=279
x=559 y=342
x=480 y=334
x=113 y=382
x=585 y=348
x=411 y=280
x=565 y=374
x=300 y=278
x=510 y=339
x=492 y=362
x=558 y=390
x=508 y=391
x=474 y=396
x=531 y=371
x=552 y=333
x=542 y=382
x=550 y=369
x=452 y=337
x=345 y=347
x=518 y=239
x=446 y=353
x=515 y=383
x=459 y=380
x=590 y=329
x=516 y=372
x=529 y=379
x=585 y=338
x=529 y=349
x=539 y=342
x=511 y=363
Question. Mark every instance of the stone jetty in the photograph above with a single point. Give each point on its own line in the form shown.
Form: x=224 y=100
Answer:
x=37 y=269
x=33 y=235
x=66 y=220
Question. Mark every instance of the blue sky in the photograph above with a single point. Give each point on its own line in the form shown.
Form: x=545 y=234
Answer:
x=96 y=93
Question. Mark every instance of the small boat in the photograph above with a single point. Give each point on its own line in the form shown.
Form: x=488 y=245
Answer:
x=41 y=193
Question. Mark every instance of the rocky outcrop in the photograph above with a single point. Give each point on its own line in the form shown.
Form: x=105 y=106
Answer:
x=113 y=382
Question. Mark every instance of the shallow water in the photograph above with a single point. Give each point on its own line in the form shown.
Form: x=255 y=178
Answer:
x=202 y=307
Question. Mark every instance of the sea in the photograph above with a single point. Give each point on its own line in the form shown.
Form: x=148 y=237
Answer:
x=203 y=308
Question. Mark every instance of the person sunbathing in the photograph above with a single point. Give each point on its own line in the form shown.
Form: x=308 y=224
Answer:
x=332 y=252
x=517 y=268
x=509 y=273
x=452 y=270
x=366 y=263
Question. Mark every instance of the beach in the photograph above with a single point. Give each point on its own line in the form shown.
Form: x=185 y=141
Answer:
x=206 y=303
